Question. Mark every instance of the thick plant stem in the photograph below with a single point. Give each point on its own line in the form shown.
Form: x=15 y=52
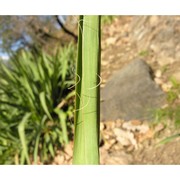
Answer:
x=86 y=141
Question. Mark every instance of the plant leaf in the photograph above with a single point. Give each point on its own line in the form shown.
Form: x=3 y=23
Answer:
x=21 y=131
x=44 y=105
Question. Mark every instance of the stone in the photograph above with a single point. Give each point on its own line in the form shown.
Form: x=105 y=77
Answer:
x=131 y=94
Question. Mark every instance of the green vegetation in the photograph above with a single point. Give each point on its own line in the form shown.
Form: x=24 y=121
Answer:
x=172 y=111
x=144 y=53
x=35 y=105
x=86 y=142
x=164 y=68
x=168 y=139
x=107 y=19
x=174 y=92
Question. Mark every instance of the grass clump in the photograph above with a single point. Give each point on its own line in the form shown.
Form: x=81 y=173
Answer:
x=107 y=19
x=35 y=105
x=144 y=53
x=171 y=111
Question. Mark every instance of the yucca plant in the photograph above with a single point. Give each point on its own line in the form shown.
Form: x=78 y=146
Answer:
x=35 y=105
x=86 y=141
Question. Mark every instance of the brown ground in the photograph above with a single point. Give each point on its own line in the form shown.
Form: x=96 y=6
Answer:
x=131 y=142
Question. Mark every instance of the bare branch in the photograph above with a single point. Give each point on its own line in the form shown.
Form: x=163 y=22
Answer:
x=65 y=29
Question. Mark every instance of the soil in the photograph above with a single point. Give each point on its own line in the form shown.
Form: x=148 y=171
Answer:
x=121 y=51
x=131 y=142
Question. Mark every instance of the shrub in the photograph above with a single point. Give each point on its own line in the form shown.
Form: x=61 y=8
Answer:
x=35 y=105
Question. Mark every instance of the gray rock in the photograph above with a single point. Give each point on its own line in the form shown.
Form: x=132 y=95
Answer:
x=131 y=93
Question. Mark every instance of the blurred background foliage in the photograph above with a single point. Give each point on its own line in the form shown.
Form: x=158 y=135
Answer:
x=36 y=103
x=45 y=32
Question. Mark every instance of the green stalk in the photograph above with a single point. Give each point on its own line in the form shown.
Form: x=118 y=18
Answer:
x=86 y=142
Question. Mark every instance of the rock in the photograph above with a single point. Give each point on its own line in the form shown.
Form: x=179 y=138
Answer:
x=131 y=94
